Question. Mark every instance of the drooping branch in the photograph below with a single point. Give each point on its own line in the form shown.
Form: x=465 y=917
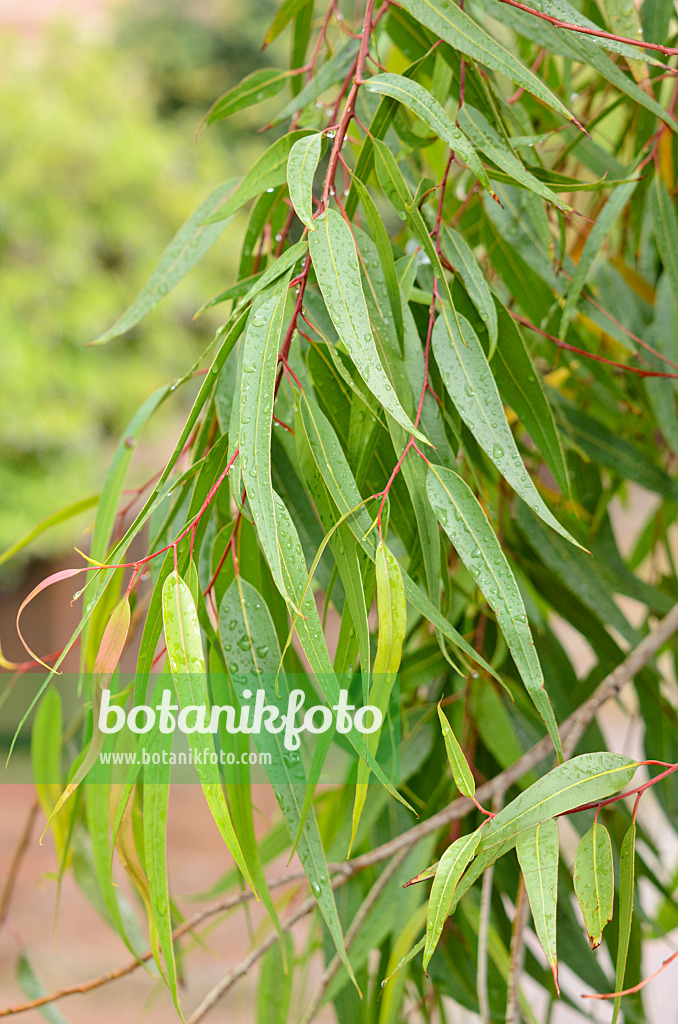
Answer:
x=572 y=730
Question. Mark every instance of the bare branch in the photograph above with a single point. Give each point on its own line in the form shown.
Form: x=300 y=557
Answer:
x=18 y=857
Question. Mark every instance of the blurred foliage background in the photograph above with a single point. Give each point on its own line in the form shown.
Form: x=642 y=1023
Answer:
x=99 y=168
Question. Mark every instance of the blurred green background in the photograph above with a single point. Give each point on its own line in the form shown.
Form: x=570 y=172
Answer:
x=99 y=166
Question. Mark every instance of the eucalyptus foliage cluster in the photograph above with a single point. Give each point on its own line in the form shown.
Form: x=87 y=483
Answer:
x=448 y=356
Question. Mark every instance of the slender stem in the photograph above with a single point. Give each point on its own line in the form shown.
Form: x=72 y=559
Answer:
x=669 y=51
x=17 y=859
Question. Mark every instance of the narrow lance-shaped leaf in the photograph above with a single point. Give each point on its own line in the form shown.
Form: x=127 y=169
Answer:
x=252 y=654
x=665 y=231
x=392 y=612
x=112 y=644
x=155 y=797
x=256 y=87
x=471 y=386
x=191 y=241
x=257 y=391
x=287 y=10
x=587 y=778
x=268 y=172
x=594 y=881
x=302 y=164
x=187 y=664
x=336 y=264
x=46 y=762
x=338 y=477
x=538 y=850
x=451 y=867
x=274 y=984
x=460 y=255
x=627 y=871
x=484 y=136
x=309 y=629
x=426 y=107
x=455 y=755
x=383 y=246
x=454 y=25
x=521 y=388
x=467 y=526
x=604 y=221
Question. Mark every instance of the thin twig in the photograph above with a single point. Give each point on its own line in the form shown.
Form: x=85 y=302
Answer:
x=243 y=967
x=484 y=930
x=17 y=859
x=351 y=933
x=517 y=955
x=571 y=731
x=669 y=51
x=119 y=972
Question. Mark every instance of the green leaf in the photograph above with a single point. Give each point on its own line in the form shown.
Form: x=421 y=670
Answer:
x=155 y=805
x=484 y=136
x=257 y=392
x=336 y=473
x=467 y=526
x=392 y=613
x=33 y=988
x=336 y=264
x=256 y=87
x=466 y=36
x=603 y=446
x=274 y=984
x=309 y=629
x=471 y=386
x=604 y=221
x=342 y=542
x=665 y=231
x=287 y=10
x=627 y=869
x=190 y=243
x=463 y=776
x=427 y=108
x=302 y=164
x=268 y=172
x=252 y=652
x=460 y=255
x=62 y=516
x=46 y=762
x=385 y=251
x=110 y=650
x=521 y=388
x=451 y=867
x=585 y=779
x=187 y=664
x=594 y=881
x=334 y=70
x=538 y=851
